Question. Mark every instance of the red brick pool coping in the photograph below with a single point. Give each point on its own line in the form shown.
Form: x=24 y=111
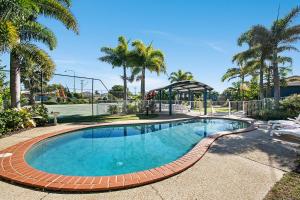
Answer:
x=15 y=169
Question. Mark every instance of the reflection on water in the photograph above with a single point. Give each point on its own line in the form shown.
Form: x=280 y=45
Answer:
x=204 y=124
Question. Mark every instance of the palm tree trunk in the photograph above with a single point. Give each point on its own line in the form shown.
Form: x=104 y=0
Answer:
x=15 y=81
x=261 y=79
x=143 y=83
x=31 y=97
x=125 y=89
x=276 y=79
x=268 y=93
x=243 y=93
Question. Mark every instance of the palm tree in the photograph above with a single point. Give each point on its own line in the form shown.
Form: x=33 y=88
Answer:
x=237 y=72
x=31 y=76
x=146 y=57
x=18 y=26
x=180 y=75
x=118 y=57
x=259 y=50
x=280 y=38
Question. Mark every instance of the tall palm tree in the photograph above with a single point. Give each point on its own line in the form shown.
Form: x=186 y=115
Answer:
x=145 y=58
x=118 y=57
x=180 y=75
x=258 y=52
x=281 y=37
x=29 y=29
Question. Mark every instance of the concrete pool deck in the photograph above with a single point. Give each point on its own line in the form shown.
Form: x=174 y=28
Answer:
x=243 y=166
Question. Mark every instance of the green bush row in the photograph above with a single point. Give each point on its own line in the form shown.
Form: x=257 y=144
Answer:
x=16 y=119
x=289 y=108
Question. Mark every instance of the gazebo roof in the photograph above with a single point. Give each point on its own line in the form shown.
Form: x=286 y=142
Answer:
x=185 y=86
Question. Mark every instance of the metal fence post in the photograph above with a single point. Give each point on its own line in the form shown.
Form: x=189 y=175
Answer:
x=92 y=96
x=229 y=108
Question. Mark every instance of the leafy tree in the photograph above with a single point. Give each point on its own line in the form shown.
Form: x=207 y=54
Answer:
x=180 y=75
x=31 y=77
x=214 y=95
x=118 y=57
x=144 y=58
x=117 y=91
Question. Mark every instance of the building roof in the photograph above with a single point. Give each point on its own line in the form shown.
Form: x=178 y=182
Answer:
x=293 y=81
x=185 y=86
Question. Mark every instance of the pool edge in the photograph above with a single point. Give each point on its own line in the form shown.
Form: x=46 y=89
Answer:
x=15 y=169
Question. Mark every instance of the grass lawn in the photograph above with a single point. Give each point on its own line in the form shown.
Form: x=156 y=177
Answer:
x=105 y=118
x=288 y=188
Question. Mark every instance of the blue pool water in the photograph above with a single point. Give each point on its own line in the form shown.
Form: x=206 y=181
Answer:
x=115 y=150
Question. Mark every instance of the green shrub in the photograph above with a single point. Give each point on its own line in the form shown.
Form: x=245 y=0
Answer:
x=270 y=115
x=77 y=95
x=291 y=105
x=132 y=108
x=289 y=108
x=113 y=109
x=15 y=119
x=40 y=114
x=51 y=101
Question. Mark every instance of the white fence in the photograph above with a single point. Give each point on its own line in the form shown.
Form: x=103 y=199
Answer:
x=136 y=106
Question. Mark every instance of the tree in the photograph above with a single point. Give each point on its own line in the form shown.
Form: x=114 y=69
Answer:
x=214 y=95
x=283 y=35
x=3 y=88
x=259 y=51
x=280 y=38
x=34 y=75
x=118 y=57
x=180 y=75
x=241 y=73
x=118 y=91
x=23 y=16
x=144 y=58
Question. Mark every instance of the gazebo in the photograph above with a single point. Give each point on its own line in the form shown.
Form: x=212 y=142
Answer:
x=184 y=87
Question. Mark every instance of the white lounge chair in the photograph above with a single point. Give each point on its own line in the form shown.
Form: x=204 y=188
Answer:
x=293 y=132
x=296 y=119
x=290 y=121
x=286 y=127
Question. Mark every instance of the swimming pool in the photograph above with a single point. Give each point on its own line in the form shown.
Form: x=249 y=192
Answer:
x=114 y=150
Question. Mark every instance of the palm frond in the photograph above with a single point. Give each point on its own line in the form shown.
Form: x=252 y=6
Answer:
x=280 y=25
x=287 y=48
x=35 y=54
x=230 y=74
x=32 y=30
x=9 y=36
x=56 y=10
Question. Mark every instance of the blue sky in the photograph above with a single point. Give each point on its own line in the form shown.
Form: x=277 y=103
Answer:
x=196 y=36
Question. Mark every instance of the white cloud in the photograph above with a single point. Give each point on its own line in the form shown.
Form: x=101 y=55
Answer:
x=215 y=47
x=189 y=41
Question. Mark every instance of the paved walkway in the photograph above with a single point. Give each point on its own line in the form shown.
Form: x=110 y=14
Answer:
x=243 y=166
